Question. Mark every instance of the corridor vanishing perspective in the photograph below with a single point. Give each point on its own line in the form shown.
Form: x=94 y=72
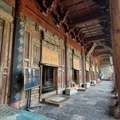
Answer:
x=60 y=52
x=94 y=104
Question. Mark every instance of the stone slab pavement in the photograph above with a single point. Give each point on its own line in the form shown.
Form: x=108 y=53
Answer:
x=94 y=104
x=9 y=113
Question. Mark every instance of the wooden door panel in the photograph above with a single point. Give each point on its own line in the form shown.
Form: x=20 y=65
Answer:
x=35 y=54
x=3 y=91
x=5 y=63
x=26 y=49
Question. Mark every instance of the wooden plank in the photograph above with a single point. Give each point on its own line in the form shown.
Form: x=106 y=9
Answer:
x=49 y=56
x=73 y=43
x=76 y=64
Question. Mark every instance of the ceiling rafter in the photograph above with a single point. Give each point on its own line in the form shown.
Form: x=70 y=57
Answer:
x=95 y=38
x=86 y=20
x=88 y=30
x=75 y=7
x=74 y=4
x=82 y=9
x=96 y=28
x=87 y=6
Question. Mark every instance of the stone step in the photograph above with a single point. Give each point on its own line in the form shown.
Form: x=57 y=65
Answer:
x=58 y=100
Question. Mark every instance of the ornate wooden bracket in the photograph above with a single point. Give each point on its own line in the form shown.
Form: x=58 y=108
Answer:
x=58 y=13
x=77 y=34
x=46 y=6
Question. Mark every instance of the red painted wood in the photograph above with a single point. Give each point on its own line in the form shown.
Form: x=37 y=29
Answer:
x=73 y=43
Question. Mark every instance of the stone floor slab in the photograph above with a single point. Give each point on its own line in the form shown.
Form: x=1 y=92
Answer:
x=90 y=105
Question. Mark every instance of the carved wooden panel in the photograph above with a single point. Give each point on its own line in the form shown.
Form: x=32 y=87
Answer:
x=5 y=7
x=31 y=54
x=49 y=56
x=35 y=61
x=26 y=44
x=76 y=64
x=5 y=60
x=30 y=23
x=26 y=49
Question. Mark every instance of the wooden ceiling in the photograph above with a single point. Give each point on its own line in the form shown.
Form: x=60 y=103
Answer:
x=87 y=21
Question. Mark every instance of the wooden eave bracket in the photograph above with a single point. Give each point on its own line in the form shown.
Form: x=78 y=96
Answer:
x=91 y=50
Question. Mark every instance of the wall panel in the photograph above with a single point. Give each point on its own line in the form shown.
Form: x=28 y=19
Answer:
x=76 y=64
x=49 y=56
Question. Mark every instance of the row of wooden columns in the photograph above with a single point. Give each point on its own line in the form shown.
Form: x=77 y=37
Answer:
x=19 y=54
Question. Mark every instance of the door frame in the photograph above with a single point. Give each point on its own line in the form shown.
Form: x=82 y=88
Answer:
x=55 y=78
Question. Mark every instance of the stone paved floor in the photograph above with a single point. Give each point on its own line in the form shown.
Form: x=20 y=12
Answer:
x=94 y=104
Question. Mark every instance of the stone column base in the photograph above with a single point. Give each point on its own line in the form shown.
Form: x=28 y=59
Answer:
x=15 y=105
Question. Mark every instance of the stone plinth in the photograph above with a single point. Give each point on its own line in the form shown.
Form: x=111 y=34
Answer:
x=86 y=85
x=70 y=91
x=93 y=83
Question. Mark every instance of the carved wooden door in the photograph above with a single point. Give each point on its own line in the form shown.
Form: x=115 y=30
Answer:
x=6 y=32
x=35 y=52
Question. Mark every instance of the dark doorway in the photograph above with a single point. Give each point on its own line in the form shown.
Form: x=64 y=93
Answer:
x=76 y=76
x=47 y=79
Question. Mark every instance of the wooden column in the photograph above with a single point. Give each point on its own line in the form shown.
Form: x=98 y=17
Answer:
x=83 y=66
x=115 y=22
x=17 y=67
x=67 y=66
